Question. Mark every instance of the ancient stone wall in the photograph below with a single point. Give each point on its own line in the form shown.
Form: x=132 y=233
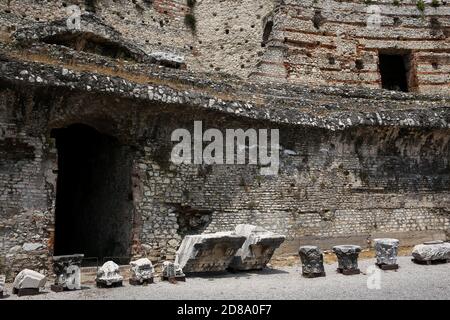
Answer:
x=355 y=182
x=328 y=42
x=308 y=42
x=355 y=162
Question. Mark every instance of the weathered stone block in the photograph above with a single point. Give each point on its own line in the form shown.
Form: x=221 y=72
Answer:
x=67 y=271
x=257 y=249
x=312 y=261
x=2 y=285
x=108 y=275
x=347 y=256
x=208 y=252
x=386 y=251
x=172 y=270
x=141 y=271
x=432 y=251
x=29 y=280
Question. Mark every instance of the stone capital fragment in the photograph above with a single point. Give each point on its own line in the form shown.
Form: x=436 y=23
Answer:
x=312 y=261
x=347 y=256
x=386 y=250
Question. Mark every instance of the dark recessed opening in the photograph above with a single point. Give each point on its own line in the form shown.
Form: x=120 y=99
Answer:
x=395 y=71
x=91 y=43
x=94 y=195
x=267 y=32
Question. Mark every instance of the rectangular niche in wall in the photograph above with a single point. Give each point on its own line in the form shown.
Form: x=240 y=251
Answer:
x=396 y=70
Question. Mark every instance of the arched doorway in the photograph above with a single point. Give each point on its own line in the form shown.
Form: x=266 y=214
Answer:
x=94 y=207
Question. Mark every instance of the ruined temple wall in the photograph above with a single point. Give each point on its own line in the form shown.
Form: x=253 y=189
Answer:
x=348 y=185
x=358 y=182
x=27 y=190
x=311 y=42
x=227 y=35
x=328 y=42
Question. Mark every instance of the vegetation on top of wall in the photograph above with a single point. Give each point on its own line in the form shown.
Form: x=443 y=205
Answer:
x=421 y=5
x=435 y=3
x=189 y=18
x=191 y=3
x=90 y=5
x=190 y=21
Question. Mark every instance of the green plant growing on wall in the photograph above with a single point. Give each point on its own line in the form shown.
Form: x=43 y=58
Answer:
x=396 y=3
x=190 y=21
x=90 y=5
x=421 y=5
x=191 y=3
x=435 y=3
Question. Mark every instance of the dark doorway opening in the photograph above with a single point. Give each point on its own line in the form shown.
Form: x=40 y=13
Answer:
x=267 y=32
x=395 y=71
x=94 y=206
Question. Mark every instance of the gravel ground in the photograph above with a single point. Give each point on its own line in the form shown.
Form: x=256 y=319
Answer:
x=411 y=281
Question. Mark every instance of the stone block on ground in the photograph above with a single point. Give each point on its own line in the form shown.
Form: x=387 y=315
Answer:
x=312 y=261
x=67 y=271
x=208 y=252
x=432 y=251
x=2 y=285
x=142 y=271
x=29 y=281
x=172 y=270
x=258 y=248
x=347 y=256
x=386 y=251
x=108 y=275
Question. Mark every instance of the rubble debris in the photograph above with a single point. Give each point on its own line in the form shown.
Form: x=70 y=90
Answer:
x=67 y=271
x=431 y=252
x=141 y=272
x=257 y=249
x=347 y=256
x=386 y=253
x=28 y=282
x=108 y=275
x=208 y=252
x=312 y=261
x=168 y=59
x=172 y=272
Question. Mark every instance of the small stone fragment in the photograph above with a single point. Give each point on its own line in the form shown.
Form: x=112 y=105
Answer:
x=67 y=271
x=173 y=271
x=141 y=272
x=108 y=275
x=28 y=282
x=431 y=252
x=2 y=285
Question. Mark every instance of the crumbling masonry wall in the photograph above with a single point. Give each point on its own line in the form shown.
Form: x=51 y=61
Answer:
x=355 y=182
x=328 y=42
